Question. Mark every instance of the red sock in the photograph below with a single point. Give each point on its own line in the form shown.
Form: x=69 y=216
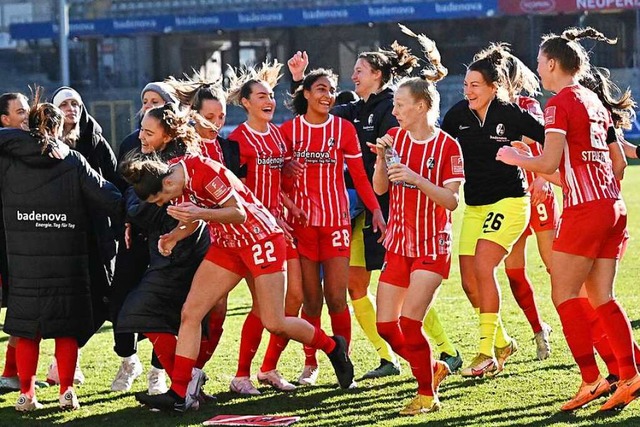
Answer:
x=391 y=333
x=310 y=351
x=164 y=346
x=616 y=325
x=600 y=340
x=419 y=351
x=576 y=329
x=66 y=354
x=10 y=367
x=249 y=343
x=182 y=368
x=341 y=325
x=27 y=353
x=321 y=341
x=209 y=343
x=276 y=346
x=523 y=293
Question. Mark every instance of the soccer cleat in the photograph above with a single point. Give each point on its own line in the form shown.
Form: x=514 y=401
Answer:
x=168 y=401
x=243 y=385
x=543 y=347
x=626 y=391
x=275 y=380
x=421 y=405
x=454 y=362
x=53 y=377
x=502 y=353
x=613 y=382
x=342 y=365
x=26 y=403
x=586 y=393
x=440 y=372
x=157 y=381
x=69 y=400
x=386 y=369
x=10 y=383
x=198 y=379
x=309 y=375
x=480 y=365
x=129 y=370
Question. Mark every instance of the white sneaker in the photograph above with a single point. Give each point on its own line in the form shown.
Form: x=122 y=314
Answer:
x=543 y=347
x=54 y=378
x=309 y=375
x=157 y=381
x=129 y=370
x=26 y=403
x=275 y=380
x=10 y=383
x=198 y=378
x=69 y=400
x=243 y=385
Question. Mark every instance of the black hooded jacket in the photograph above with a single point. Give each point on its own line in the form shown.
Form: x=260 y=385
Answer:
x=47 y=204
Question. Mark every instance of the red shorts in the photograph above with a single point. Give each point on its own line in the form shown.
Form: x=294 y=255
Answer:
x=264 y=257
x=397 y=269
x=544 y=216
x=292 y=250
x=323 y=243
x=595 y=229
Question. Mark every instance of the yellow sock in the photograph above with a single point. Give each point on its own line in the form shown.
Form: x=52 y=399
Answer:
x=436 y=333
x=502 y=338
x=488 y=327
x=366 y=315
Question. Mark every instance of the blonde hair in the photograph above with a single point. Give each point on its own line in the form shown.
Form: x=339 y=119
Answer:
x=242 y=80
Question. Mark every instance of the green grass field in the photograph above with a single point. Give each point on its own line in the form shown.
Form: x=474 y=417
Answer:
x=527 y=393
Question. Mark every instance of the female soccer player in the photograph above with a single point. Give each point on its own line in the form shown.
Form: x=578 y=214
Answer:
x=576 y=140
x=497 y=205
x=425 y=187
x=320 y=144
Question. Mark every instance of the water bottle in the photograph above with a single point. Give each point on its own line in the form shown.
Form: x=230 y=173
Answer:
x=391 y=157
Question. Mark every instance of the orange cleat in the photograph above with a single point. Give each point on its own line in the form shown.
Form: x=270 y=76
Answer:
x=627 y=391
x=586 y=393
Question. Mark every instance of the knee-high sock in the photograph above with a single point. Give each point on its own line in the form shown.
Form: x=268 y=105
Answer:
x=419 y=353
x=615 y=323
x=341 y=324
x=576 y=329
x=164 y=347
x=67 y=356
x=27 y=353
x=488 y=328
x=309 y=351
x=10 y=367
x=600 y=339
x=182 y=368
x=391 y=333
x=365 y=314
x=276 y=346
x=321 y=341
x=249 y=343
x=209 y=343
x=437 y=334
x=523 y=293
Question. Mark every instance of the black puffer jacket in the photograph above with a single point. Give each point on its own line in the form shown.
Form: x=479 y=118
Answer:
x=46 y=213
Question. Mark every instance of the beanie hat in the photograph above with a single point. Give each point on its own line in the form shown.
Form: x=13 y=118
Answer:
x=63 y=93
x=164 y=90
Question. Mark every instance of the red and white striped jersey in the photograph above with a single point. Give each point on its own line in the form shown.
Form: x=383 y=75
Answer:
x=211 y=149
x=320 y=190
x=209 y=184
x=585 y=167
x=419 y=227
x=263 y=155
x=533 y=107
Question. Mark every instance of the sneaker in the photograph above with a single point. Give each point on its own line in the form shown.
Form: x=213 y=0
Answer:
x=454 y=362
x=440 y=372
x=52 y=374
x=586 y=393
x=157 y=381
x=626 y=391
x=26 y=403
x=168 y=401
x=421 y=405
x=275 y=380
x=502 y=353
x=69 y=400
x=480 y=365
x=130 y=369
x=342 y=365
x=243 y=385
x=386 y=369
x=198 y=379
x=543 y=348
x=10 y=383
x=78 y=376
x=309 y=375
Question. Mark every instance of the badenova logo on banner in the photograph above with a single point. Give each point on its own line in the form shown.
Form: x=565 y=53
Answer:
x=45 y=219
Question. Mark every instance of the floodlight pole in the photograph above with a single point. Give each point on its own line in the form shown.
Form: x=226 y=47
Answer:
x=64 y=41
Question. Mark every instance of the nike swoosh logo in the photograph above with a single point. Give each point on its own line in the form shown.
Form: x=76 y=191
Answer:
x=265 y=266
x=595 y=389
x=356 y=121
x=488 y=231
x=463 y=127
